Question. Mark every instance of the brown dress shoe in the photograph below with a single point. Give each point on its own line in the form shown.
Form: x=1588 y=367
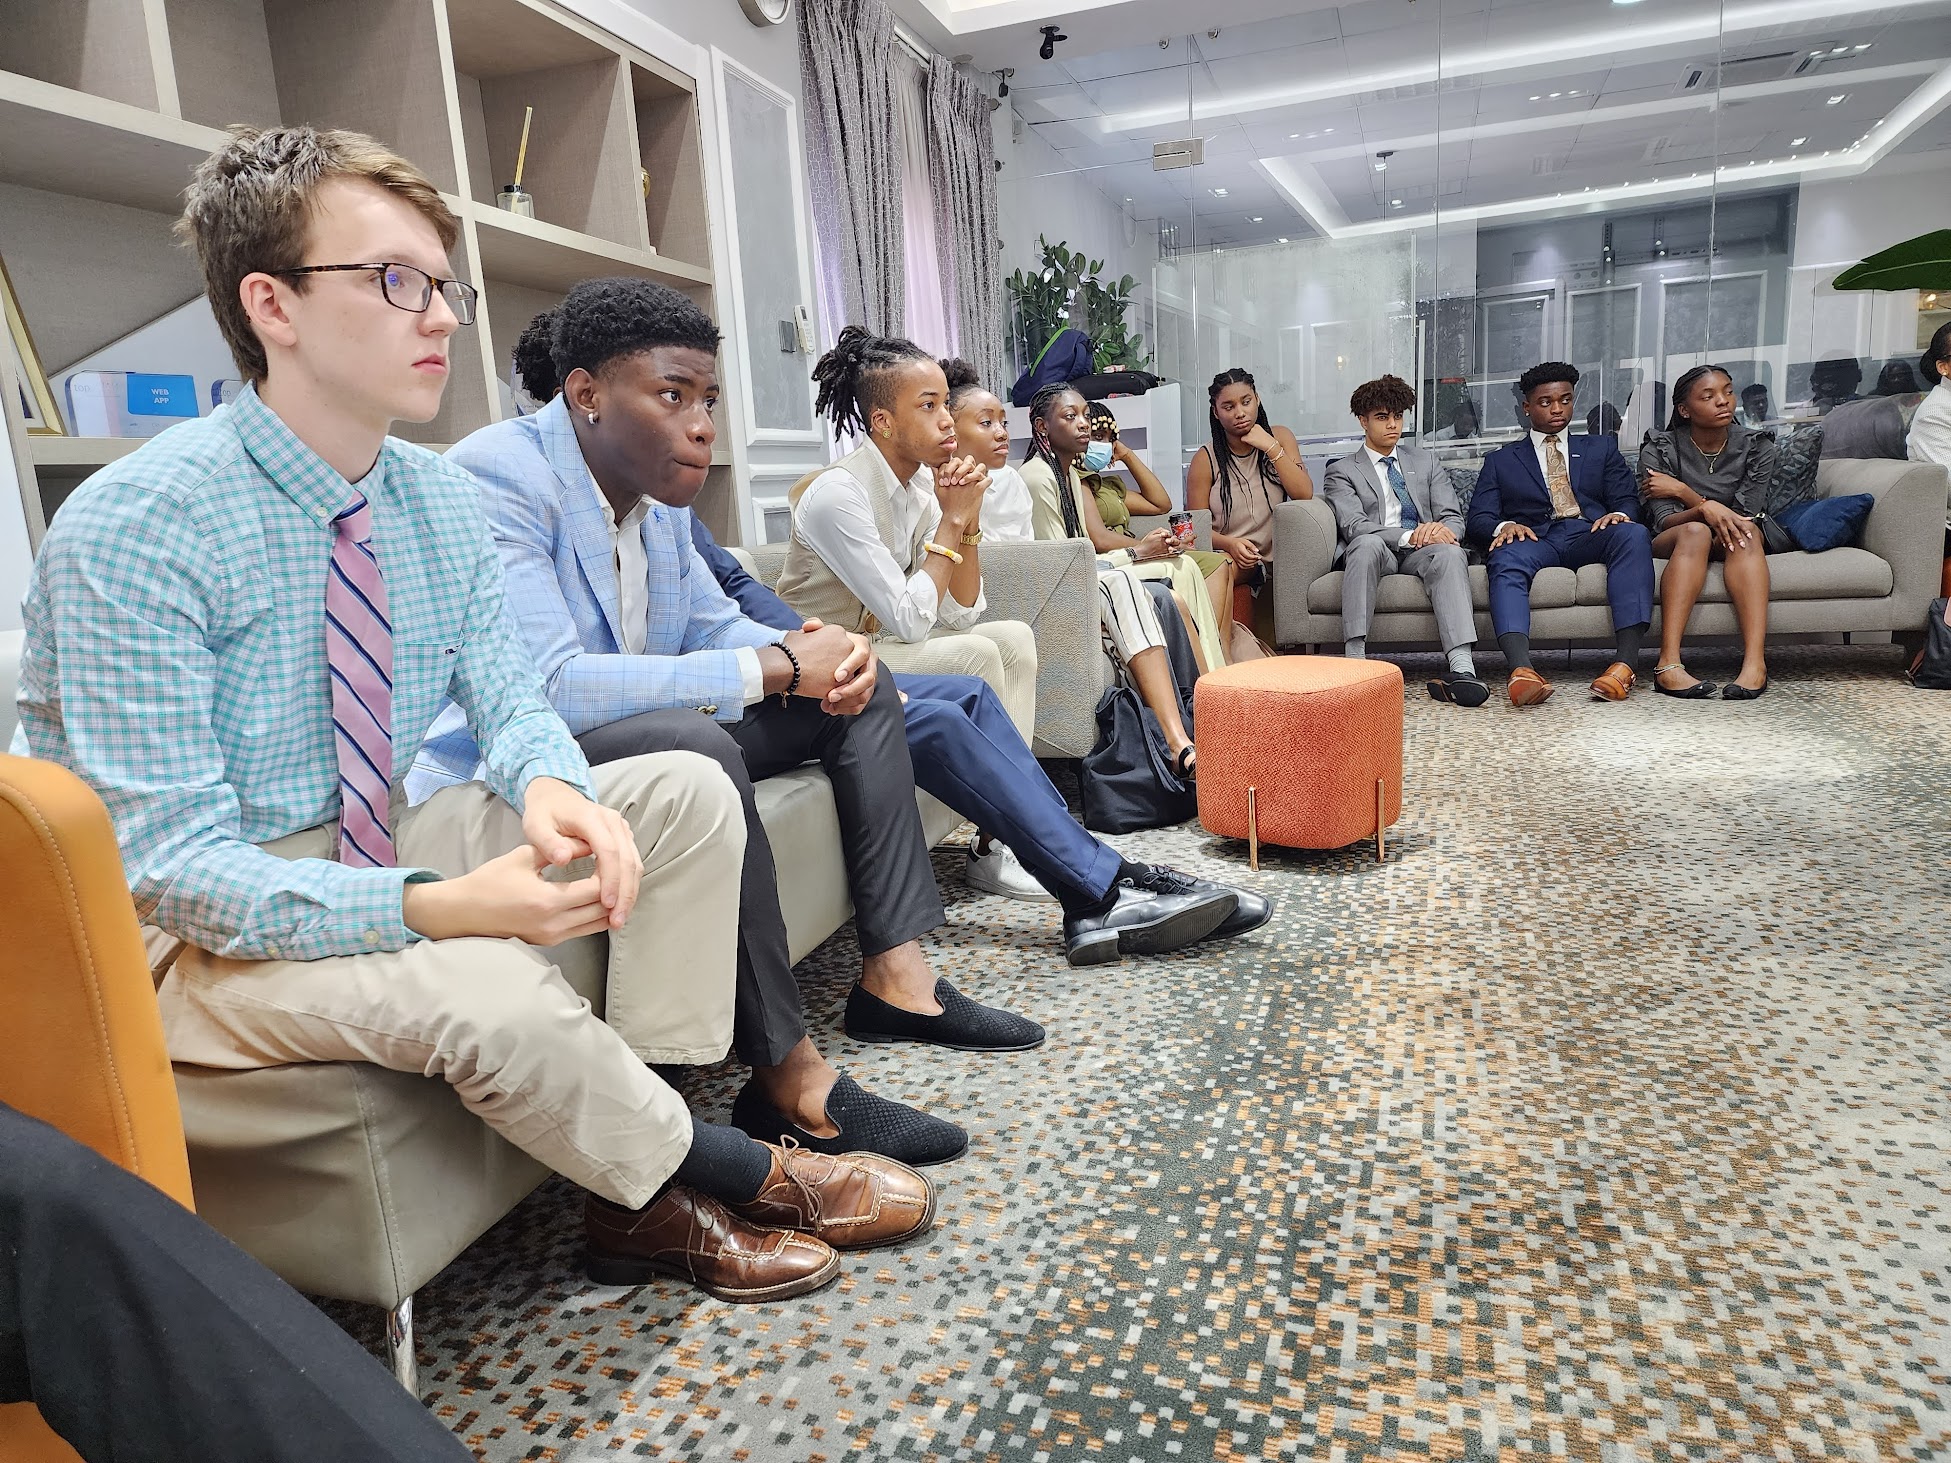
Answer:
x=1527 y=688
x=696 y=1238
x=853 y=1201
x=1617 y=683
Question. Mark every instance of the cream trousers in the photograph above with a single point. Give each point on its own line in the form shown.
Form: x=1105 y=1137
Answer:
x=495 y=1018
x=1002 y=652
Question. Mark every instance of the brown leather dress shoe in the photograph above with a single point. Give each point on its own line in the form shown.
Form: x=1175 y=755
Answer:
x=694 y=1237
x=853 y=1201
x=1527 y=688
x=1617 y=683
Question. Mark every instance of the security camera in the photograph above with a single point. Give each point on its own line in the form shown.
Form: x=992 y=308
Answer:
x=1002 y=79
x=1051 y=35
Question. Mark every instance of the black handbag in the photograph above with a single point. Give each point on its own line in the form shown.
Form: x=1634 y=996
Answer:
x=1128 y=783
x=1932 y=667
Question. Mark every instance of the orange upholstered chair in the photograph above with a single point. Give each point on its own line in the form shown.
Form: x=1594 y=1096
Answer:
x=85 y=1043
x=1301 y=750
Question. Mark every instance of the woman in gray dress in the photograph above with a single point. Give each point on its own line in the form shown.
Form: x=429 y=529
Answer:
x=1704 y=484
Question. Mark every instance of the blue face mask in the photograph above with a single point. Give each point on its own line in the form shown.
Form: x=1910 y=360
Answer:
x=1097 y=457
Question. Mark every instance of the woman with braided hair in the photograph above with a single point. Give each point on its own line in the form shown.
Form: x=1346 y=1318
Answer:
x=1060 y=431
x=887 y=541
x=1249 y=468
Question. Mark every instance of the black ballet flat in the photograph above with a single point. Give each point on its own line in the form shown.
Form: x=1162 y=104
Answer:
x=1698 y=691
x=1734 y=691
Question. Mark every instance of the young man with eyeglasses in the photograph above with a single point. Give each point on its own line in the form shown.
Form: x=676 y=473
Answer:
x=238 y=635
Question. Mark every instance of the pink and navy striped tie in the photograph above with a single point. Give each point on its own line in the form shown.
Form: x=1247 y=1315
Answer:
x=359 y=650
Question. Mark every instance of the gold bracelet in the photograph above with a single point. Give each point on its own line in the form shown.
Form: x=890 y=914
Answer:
x=1279 y=453
x=934 y=548
x=970 y=539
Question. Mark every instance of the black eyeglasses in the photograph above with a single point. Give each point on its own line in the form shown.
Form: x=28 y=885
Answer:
x=406 y=288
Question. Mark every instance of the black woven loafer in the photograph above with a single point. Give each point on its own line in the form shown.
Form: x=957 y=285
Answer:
x=1155 y=914
x=963 y=1025
x=867 y=1124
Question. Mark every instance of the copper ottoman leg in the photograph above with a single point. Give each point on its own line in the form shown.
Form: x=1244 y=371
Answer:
x=1381 y=804
x=1252 y=830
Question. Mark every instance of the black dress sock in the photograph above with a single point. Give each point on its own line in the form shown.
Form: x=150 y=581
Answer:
x=1078 y=908
x=723 y=1163
x=1517 y=649
x=1629 y=638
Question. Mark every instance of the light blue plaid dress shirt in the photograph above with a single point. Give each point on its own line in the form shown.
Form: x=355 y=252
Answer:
x=565 y=603
x=175 y=660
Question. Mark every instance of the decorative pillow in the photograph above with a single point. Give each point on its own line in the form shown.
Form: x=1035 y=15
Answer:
x=1463 y=482
x=1827 y=523
x=1797 y=455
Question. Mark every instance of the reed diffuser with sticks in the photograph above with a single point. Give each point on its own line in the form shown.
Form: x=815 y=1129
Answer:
x=515 y=198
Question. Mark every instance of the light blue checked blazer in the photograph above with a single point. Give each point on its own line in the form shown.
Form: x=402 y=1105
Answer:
x=175 y=659
x=563 y=598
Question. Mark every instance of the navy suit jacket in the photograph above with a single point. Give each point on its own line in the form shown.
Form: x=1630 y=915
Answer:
x=758 y=602
x=1512 y=488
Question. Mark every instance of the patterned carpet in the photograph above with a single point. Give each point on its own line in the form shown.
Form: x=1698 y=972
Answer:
x=1608 y=1119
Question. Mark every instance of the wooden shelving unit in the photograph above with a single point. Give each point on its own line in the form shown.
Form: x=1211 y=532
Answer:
x=100 y=141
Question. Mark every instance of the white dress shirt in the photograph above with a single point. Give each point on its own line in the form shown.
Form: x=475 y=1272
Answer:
x=1006 y=507
x=1391 y=504
x=834 y=519
x=633 y=593
x=1930 y=428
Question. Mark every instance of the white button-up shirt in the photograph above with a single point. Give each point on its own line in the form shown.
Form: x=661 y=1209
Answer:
x=1391 y=504
x=834 y=519
x=633 y=593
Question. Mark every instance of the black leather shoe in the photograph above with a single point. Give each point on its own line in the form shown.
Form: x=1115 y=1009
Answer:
x=1253 y=911
x=963 y=1025
x=867 y=1124
x=1155 y=914
x=1458 y=689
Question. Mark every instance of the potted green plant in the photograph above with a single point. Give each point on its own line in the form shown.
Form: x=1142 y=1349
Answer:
x=1043 y=298
x=1113 y=346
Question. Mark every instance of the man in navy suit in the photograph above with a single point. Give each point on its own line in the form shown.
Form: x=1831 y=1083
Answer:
x=1553 y=499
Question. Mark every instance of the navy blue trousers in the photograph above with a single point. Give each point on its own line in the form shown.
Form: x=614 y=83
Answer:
x=1626 y=549
x=968 y=753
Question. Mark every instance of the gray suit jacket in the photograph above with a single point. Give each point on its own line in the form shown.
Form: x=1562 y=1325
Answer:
x=1355 y=490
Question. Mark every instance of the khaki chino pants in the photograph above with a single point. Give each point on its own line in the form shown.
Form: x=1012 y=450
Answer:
x=494 y=1018
x=1001 y=652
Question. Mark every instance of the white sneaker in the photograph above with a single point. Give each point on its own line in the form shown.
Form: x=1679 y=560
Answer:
x=999 y=872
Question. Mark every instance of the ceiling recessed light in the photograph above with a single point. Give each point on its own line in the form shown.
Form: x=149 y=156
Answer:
x=1326 y=130
x=1219 y=192
x=1281 y=240
x=1381 y=167
x=1837 y=99
x=1395 y=203
x=1797 y=141
x=1556 y=95
x=1571 y=93
x=1865 y=46
x=1255 y=219
x=1537 y=99
x=1293 y=135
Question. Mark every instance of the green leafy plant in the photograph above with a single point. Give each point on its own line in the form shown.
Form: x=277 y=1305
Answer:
x=1066 y=291
x=1113 y=346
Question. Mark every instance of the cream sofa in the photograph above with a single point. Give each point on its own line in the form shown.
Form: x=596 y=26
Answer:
x=1884 y=586
x=362 y=1184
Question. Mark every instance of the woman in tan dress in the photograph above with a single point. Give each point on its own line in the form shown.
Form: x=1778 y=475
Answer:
x=1249 y=467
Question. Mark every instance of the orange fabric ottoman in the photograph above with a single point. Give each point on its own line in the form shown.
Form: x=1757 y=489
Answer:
x=1310 y=737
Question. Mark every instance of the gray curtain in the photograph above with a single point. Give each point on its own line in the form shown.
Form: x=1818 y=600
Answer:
x=962 y=161
x=853 y=154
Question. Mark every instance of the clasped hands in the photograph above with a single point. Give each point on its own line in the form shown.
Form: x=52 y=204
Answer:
x=836 y=668
x=1424 y=534
x=1160 y=543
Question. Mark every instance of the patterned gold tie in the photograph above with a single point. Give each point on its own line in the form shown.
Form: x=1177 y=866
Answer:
x=1564 y=502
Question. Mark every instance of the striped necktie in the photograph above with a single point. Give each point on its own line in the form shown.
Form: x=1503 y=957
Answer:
x=359 y=650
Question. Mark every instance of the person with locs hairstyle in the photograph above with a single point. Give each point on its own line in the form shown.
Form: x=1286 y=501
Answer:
x=1397 y=513
x=1550 y=498
x=1704 y=483
x=238 y=635
x=888 y=540
x=901 y=394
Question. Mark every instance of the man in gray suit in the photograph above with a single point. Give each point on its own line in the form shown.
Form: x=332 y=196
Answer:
x=1398 y=514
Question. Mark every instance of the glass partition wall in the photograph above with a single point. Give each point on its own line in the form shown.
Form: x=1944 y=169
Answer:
x=1455 y=190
